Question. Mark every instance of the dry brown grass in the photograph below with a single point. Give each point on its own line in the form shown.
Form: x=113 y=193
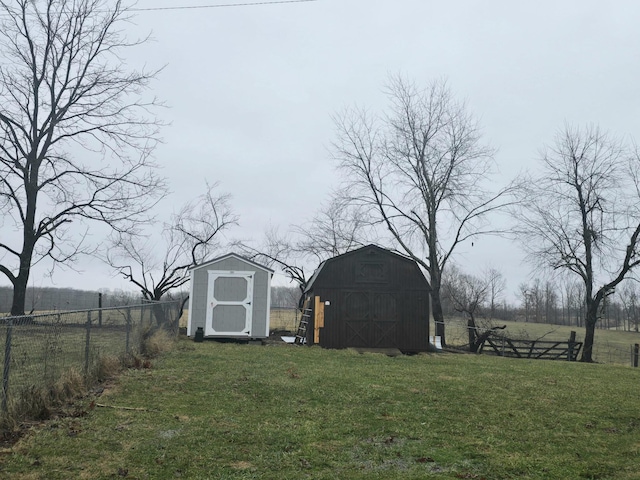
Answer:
x=71 y=384
x=184 y=319
x=108 y=367
x=156 y=343
x=39 y=402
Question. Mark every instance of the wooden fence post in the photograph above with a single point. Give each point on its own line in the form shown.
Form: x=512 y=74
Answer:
x=571 y=346
x=636 y=351
x=100 y=310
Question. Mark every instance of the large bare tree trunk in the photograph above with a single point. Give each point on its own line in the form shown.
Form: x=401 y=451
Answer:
x=438 y=317
x=21 y=281
x=589 y=337
x=591 y=319
x=436 y=299
x=20 y=293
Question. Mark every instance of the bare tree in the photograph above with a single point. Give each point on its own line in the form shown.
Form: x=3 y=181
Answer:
x=470 y=296
x=576 y=303
x=158 y=266
x=581 y=215
x=630 y=305
x=75 y=132
x=497 y=284
x=524 y=292
x=550 y=302
x=420 y=172
x=284 y=297
x=536 y=295
x=336 y=228
x=570 y=299
x=279 y=251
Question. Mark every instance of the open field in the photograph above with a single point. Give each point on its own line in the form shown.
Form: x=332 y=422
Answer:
x=214 y=410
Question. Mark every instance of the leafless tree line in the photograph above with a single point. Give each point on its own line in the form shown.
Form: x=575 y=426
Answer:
x=557 y=302
x=563 y=303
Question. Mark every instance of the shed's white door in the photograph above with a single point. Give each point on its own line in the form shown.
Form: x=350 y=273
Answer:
x=229 y=306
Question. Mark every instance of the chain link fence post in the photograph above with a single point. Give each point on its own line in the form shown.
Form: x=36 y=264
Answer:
x=87 y=345
x=128 y=331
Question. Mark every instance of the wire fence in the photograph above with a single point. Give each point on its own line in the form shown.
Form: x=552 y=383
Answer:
x=284 y=319
x=46 y=356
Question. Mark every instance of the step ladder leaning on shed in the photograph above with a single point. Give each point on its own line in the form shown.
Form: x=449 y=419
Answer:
x=301 y=333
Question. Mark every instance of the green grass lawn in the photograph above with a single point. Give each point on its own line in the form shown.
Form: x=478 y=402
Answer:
x=227 y=411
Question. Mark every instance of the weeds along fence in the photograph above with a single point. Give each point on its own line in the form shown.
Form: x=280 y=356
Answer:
x=46 y=356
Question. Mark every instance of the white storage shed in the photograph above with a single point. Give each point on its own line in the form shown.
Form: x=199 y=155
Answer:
x=230 y=297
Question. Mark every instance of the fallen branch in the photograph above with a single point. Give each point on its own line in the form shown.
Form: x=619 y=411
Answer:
x=138 y=409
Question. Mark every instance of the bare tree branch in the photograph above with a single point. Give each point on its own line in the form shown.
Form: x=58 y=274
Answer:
x=159 y=266
x=337 y=227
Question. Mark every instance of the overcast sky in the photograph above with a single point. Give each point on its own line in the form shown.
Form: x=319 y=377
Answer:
x=251 y=91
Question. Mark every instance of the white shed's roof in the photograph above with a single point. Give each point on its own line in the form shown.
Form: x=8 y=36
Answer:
x=232 y=255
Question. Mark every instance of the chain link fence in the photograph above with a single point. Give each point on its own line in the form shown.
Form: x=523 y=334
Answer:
x=52 y=356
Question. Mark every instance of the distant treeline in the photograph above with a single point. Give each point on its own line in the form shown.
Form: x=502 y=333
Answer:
x=285 y=297
x=50 y=298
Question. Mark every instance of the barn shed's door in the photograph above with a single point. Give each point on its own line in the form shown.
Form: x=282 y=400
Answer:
x=370 y=320
x=229 y=303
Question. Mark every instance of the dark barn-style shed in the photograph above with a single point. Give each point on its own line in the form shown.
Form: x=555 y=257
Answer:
x=369 y=298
